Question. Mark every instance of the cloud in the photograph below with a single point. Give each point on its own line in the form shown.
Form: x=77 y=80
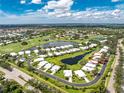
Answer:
x=36 y=1
x=37 y=18
x=116 y=12
x=22 y=1
x=60 y=8
x=60 y=4
x=64 y=14
x=98 y=14
x=90 y=13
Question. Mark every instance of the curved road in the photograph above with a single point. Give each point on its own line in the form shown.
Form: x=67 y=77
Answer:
x=73 y=84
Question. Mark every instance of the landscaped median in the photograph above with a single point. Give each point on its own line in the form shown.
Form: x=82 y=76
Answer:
x=110 y=72
x=38 y=78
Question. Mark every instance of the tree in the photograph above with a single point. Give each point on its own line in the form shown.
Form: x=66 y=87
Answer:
x=24 y=43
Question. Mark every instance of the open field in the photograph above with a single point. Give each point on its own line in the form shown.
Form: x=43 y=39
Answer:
x=93 y=63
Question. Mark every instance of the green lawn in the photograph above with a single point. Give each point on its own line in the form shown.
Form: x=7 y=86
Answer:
x=60 y=74
x=77 y=80
x=57 y=60
x=16 y=47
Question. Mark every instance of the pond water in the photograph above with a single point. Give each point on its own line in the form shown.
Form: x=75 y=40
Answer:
x=58 y=44
x=74 y=60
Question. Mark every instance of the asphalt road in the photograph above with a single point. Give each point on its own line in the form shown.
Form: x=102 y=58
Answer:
x=73 y=84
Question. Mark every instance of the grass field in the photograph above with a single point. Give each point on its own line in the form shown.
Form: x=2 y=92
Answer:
x=16 y=47
x=57 y=60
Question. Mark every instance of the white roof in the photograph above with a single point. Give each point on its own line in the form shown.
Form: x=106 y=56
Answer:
x=57 y=53
x=57 y=47
x=27 y=52
x=68 y=73
x=93 y=61
x=103 y=50
x=87 y=68
x=1 y=43
x=74 y=49
x=47 y=66
x=36 y=51
x=21 y=53
x=62 y=52
x=42 y=56
x=96 y=57
x=70 y=45
x=80 y=44
x=102 y=41
x=22 y=60
x=84 y=48
x=97 y=54
x=53 y=49
x=66 y=46
x=50 y=54
x=67 y=51
x=62 y=47
x=92 y=45
x=89 y=64
x=38 y=59
x=13 y=54
x=55 y=68
x=42 y=64
x=47 y=49
x=106 y=47
x=80 y=73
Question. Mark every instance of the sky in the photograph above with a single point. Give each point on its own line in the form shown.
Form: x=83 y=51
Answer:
x=61 y=11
